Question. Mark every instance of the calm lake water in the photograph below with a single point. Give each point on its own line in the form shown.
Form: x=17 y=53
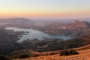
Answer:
x=36 y=34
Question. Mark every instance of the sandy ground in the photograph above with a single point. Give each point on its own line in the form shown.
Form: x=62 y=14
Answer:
x=83 y=55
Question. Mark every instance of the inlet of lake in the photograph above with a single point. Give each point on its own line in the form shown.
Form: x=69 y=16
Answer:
x=36 y=34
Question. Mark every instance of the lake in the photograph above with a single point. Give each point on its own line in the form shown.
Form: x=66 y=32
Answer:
x=36 y=34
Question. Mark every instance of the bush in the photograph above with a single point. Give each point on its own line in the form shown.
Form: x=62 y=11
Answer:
x=68 y=52
x=3 y=58
x=24 y=56
x=35 y=55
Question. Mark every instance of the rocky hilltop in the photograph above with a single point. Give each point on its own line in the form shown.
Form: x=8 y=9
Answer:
x=79 y=24
x=75 y=28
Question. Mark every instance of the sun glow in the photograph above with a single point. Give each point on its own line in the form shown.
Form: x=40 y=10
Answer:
x=41 y=8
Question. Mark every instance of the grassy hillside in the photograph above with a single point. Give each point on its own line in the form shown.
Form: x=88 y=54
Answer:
x=83 y=55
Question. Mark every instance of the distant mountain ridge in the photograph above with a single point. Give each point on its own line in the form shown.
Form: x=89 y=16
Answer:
x=15 y=20
x=75 y=28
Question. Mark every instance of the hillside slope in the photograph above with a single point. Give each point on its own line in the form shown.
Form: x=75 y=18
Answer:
x=83 y=55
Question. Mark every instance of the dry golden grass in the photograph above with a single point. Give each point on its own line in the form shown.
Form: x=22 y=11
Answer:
x=83 y=48
x=83 y=55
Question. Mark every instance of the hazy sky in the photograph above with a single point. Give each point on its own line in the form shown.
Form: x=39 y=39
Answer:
x=44 y=8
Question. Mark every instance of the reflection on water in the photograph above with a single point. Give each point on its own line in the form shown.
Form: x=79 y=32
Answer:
x=36 y=34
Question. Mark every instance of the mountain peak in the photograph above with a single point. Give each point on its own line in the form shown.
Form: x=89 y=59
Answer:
x=78 y=23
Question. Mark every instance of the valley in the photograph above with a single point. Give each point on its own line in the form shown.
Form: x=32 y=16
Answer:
x=74 y=29
x=44 y=29
x=46 y=34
